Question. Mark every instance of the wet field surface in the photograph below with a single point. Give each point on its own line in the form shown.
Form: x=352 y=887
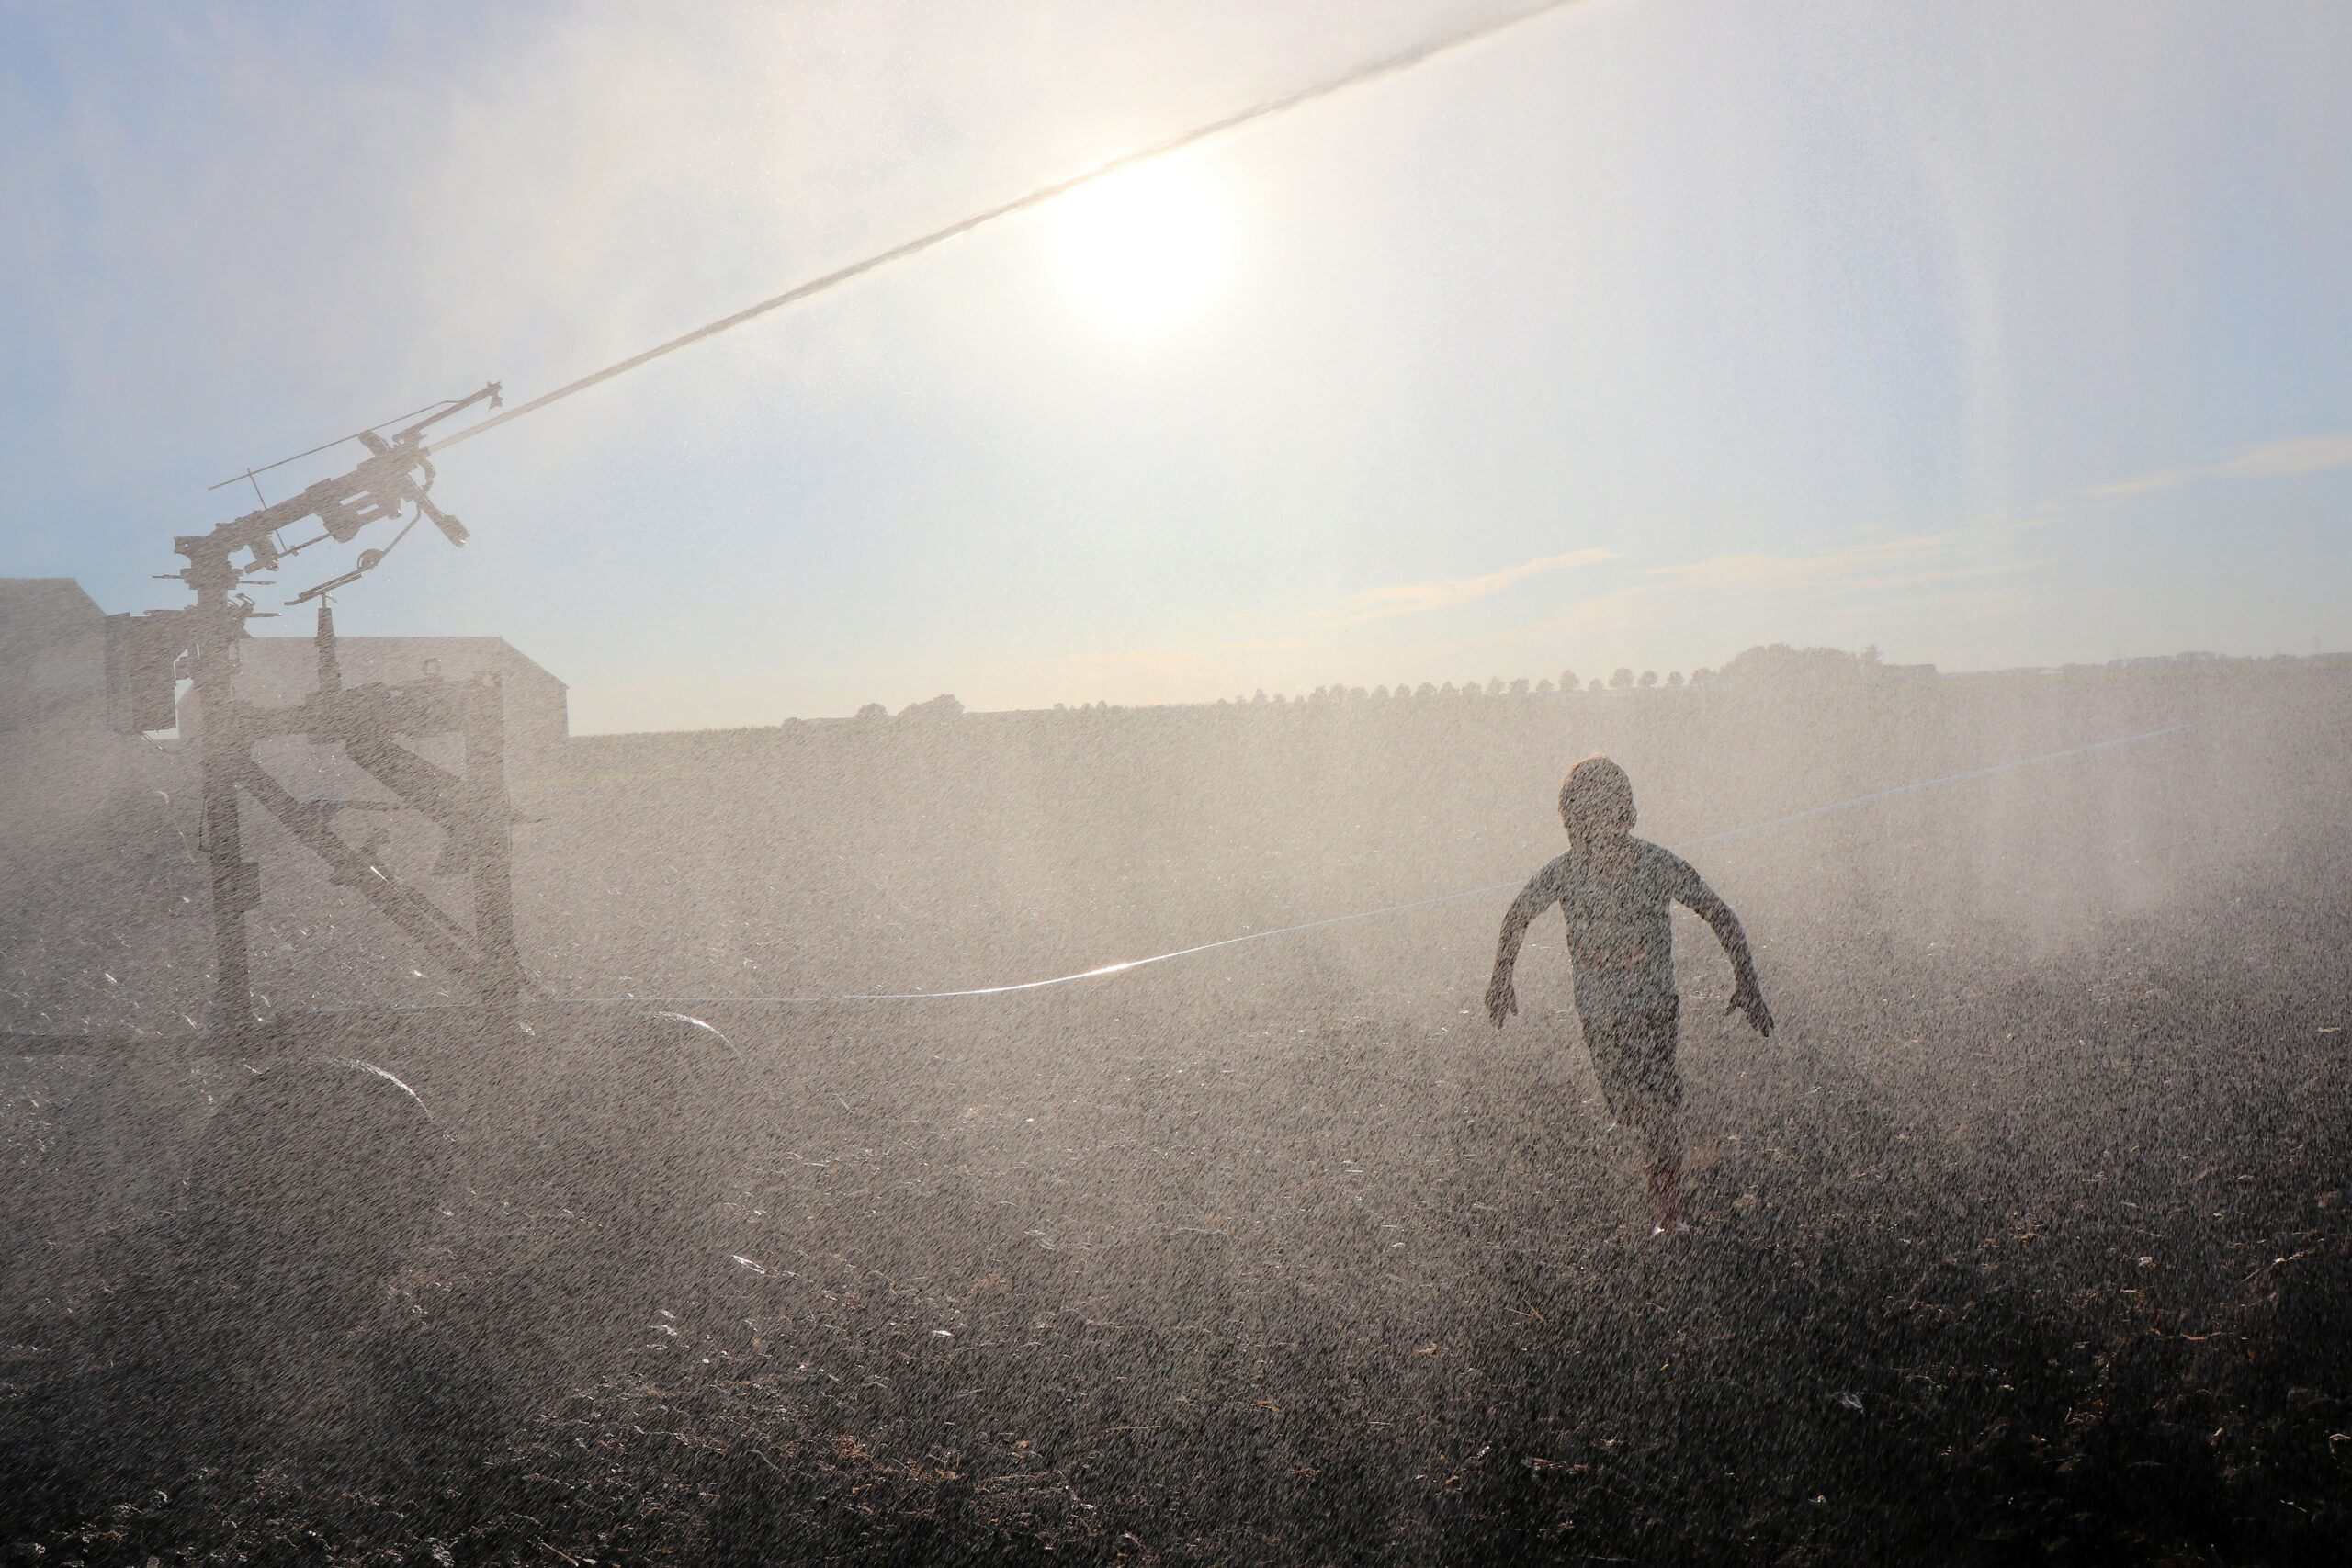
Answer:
x=2001 y=1256
x=2025 y=1239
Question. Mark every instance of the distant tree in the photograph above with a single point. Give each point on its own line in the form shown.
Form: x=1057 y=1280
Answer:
x=1495 y=686
x=1380 y=693
x=1447 y=690
x=1621 y=679
x=1567 y=680
x=1796 y=668
x=1425 y=690
x=1260 y=697
x=1702 y=676
x=1543 y=687
x=1519 y=687
x=1674 y=678
x=1649 y=679
x=1356 y=693
x=872 y=710
x=1594 y=684
x=1472 y=689
x=943 y=705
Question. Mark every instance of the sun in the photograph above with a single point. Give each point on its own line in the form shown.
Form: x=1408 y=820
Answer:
x=1144 y=248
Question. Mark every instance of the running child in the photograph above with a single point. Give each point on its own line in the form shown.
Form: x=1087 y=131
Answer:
x=1616 y=890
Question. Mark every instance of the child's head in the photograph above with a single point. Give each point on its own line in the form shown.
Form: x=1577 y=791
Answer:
x=1597 y=799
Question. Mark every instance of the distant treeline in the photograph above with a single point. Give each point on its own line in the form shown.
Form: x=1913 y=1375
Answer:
x=1777 y=663
x=1778 y=672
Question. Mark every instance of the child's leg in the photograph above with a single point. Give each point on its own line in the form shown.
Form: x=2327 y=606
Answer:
x=1661 y=1127
x=1659 y=1113
x=1634 y=1058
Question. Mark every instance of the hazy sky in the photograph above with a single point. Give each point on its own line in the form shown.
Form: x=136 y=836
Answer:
x=1992 y=334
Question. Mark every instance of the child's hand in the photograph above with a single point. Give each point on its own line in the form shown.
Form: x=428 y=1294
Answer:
x=1501 y=1000
x=1750 y=1001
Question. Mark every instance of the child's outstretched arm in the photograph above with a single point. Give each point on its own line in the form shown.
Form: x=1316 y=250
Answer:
x=1748 y=992
x=1501 y=1000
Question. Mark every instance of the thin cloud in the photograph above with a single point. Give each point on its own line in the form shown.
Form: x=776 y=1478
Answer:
x=1444 y=593
x=2271 y=460
x=1918 y=572
x=1867 y=567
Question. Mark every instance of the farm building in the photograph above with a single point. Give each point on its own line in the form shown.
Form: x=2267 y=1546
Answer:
x=279 y=671
x=52 y=655
x=53 y=670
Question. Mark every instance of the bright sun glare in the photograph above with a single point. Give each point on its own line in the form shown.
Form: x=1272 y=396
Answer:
x=1143 y=247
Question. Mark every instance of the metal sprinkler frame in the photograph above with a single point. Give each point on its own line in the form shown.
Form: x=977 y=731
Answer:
x=148 y=653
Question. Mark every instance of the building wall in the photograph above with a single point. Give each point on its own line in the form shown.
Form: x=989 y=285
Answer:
x=53 y=666
x=279 y=672
x=53 y=654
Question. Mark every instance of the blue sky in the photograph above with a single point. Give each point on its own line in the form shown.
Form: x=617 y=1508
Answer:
x=1996 y=335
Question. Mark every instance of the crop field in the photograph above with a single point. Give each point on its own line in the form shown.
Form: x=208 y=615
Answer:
x=2025 y=1239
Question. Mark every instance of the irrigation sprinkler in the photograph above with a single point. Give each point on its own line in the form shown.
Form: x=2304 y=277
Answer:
x=146 y=655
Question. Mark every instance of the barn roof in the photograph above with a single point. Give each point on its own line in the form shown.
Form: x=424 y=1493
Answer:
x=364 y=653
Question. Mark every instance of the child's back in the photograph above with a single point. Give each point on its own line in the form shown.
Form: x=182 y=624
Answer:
x=1620 y=934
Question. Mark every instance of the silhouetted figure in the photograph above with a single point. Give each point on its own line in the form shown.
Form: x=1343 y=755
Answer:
x=1615 y=891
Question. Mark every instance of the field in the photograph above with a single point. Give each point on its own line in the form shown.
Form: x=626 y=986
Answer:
x=2024 y=1240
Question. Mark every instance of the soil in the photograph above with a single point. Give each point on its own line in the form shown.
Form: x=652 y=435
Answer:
x=2024 y=1240
x=1999 y=1256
